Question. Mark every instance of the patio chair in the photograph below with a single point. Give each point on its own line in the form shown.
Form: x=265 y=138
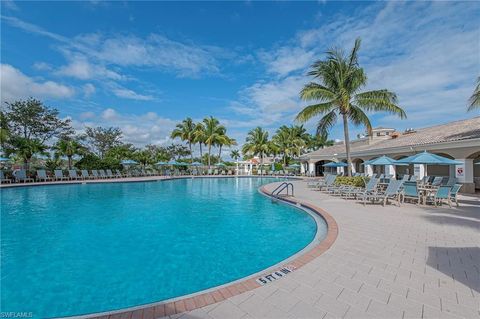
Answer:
x=72 y=173
x=405 y=178
x=102 y=174
x=451 y=181
x=357 y=192
x=441 y=194
x=118 y=174
x=329 y=181
x=84 y=174
x=3 y=179
x=21 y=176
x=42 y=176
x=424 y=180
x=410 y=190
x=95 y=174
x=413 y=178
x=392 y=192
x=437 y=181
x=59 y=175
x=454 y=192
x=110 y=174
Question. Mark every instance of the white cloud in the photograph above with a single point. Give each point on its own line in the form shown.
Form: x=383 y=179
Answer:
x=42 y=66
x=88 y=90
x=138 y=129
x=16 y=85
x=80 y=68
x=130 y=94
x=287 y=59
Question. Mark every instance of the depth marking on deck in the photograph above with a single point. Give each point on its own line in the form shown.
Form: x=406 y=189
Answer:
x=277 y=274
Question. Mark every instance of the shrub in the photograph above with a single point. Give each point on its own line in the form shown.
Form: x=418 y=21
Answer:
x=356 y=181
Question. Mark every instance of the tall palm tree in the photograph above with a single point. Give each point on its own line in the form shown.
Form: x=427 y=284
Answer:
x=257 y=143
x=290 y=141
x=186 y=132
x=317 y=141
x=214 y=133
x=338 y=94
x=235 y=154
x=68 y=147
x=475 y=98
x=199 y=136
x=225 y=141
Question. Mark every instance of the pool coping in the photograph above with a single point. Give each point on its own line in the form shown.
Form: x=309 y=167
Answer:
x=219 y=293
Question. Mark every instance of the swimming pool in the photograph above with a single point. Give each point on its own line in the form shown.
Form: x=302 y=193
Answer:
x=79 y=249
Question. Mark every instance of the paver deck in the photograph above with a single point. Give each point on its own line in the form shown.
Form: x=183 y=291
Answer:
x=387 y=262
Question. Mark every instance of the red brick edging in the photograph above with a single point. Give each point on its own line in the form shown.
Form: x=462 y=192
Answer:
x=210 y=297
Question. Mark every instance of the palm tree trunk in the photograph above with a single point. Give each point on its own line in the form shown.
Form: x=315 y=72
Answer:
x=347 y=144
x=69 y=162
x=191 y=154
x=209 y=149
x=201 y=153
x=220 y=154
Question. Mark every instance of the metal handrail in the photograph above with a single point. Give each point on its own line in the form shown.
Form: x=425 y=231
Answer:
x=280 y=188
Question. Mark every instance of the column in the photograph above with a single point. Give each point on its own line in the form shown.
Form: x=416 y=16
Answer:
x=390 y=170
x=302 y=168
x=353 y=168
x=464 y=175
x=419 y=171
x=368 y=170
x=311 y=168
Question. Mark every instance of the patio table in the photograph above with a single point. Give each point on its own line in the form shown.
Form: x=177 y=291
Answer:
x=426 y=190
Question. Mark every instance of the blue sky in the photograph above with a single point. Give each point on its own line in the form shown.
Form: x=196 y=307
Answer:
x=144 y=66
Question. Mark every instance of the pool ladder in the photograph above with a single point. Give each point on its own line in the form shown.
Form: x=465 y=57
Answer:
x=285 y=186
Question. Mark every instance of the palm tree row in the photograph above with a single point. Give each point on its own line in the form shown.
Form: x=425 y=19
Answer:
x=209 y=133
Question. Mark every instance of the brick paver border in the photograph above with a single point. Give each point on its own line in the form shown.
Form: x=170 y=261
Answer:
x=199 y=300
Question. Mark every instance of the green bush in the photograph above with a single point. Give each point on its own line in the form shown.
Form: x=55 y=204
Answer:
x=356 y=181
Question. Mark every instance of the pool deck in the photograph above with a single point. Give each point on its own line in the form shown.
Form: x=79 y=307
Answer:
x=385 y=262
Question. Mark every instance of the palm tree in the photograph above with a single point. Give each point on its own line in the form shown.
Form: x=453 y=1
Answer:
x=475 y=98
x=341 y=79
x=317 y=141
x=186 y=132
x=257 y=143
x=225 y=141
x=144 y=157
x=290 y=141
x=235 y=154
x=199 y=136
x=214 y=133
x=25 y=148
x=69 y=147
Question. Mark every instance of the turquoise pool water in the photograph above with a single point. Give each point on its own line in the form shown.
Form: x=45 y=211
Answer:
x=79 y=249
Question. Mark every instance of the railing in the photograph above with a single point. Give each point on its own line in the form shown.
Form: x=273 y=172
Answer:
x=282 y=187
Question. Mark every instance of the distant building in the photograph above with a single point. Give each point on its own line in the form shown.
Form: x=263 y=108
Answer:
x=459 y=140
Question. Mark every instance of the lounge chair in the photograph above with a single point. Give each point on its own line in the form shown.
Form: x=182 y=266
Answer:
x=84 y=174
x=21 y=176
x=413 y=178
x=437 y=181
x=110 y=174
x=42 y=176
x=392 y=192
x=3 y=179
x=59 y=175
x=72 y=173
x=95 y=174
x=454 y=192
x=451 y=181
x=405 y=178
x=102 y=174
x=441 y=194
x=328 y=182
x=410 y=190
x=357 y=192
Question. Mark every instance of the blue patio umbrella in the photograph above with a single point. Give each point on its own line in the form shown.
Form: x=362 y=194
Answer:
x=428 y=159
x=383 y=161
x=220 y=164
x=294 y=166
x=196 y=164
x=335 y=164
x=161 y=163
x=173 y=162
x=4 y=159
x=128 y=162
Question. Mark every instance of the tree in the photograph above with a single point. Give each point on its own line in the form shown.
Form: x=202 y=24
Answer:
x=121 y=152
x=257 y=143
x=199 y=136
x=475 y=98
x=225 y=141
x=235 y=154
x=53 y=163
x=214 y=133
x=4 y=131
x=69 y=147
x=290 y=141
x=186 y=132
x=26 y=148
x=144 y=157
x=177 y=151
x=317 y=141
x=30 y=119
x=101 y=139
x=338 y=94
